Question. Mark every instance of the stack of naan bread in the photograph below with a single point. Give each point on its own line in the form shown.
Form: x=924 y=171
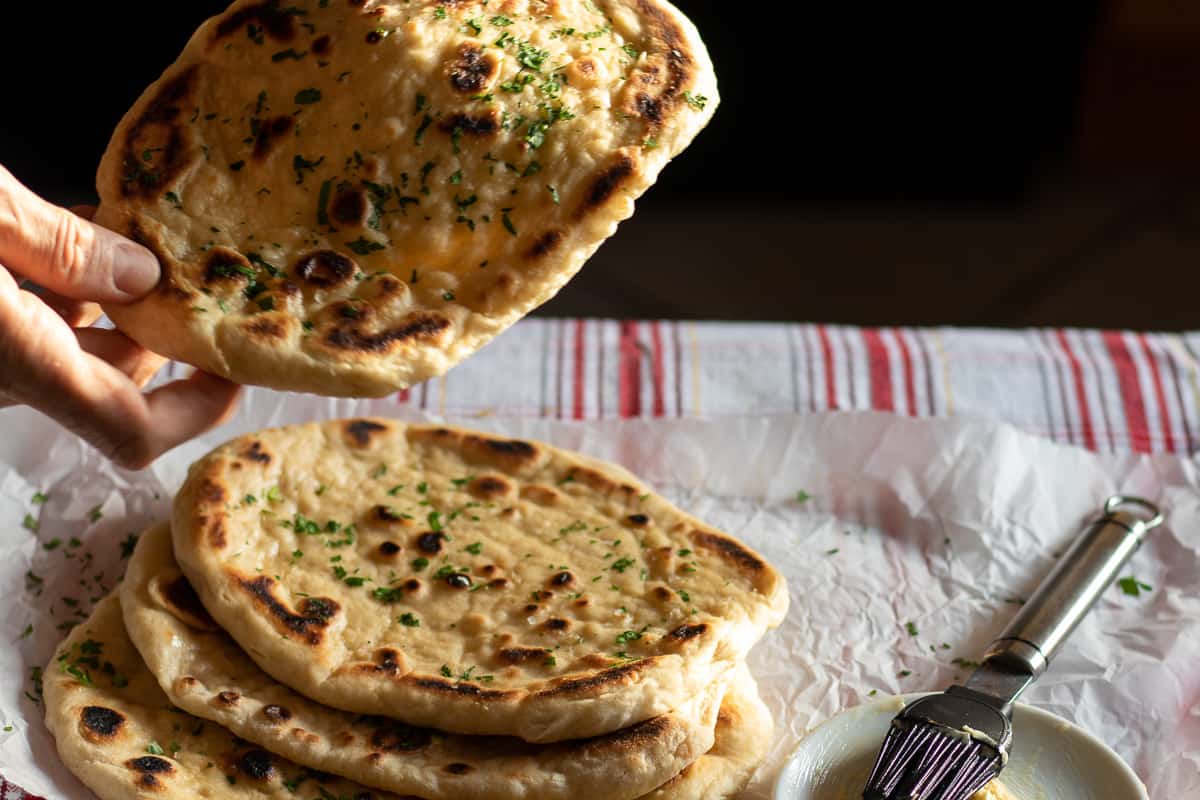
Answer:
x=368 y=609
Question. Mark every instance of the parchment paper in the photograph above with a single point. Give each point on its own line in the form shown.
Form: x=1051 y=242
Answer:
x=944 y=525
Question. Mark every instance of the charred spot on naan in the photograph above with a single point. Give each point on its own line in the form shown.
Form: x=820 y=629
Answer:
x=615 y=177
x=730 y=551
x=258 y=19
x=308 y=625
x=545 y=244
x=510 y=455
x=150 y=771
x=256 y=764
x=637 y=738
x=175 y=593
x=270 y=133
x=443 y=686
x=476 y=125
x=226 y=265
x=522 y=655
x=361 y=432
x=351 y=207
x=598 y=684
x=275 y=714
x=419 y=327
x=655 y=87
x=155 y=149
x=324 y=269
x=257 y=452
x=489 y=487
x=391 y=736
x=471 y=70
x=100 y=725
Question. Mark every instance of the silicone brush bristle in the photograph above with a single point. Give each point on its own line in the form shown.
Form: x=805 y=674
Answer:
x=922 y=761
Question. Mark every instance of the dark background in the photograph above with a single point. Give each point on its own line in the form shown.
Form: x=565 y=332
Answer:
x=969 y=166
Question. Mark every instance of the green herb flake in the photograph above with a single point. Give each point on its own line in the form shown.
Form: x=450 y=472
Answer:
x=309 y=96
x=439 y=13
x=803 y=497
x=419 y=564
x=508 y=225
x=622 y=564
x=155 y=749
x=500 y=21
x=911 y=628
x=29 y=523
x=475 y=548
x=408 y=620
x=362 y=246
x=1132 y=586
x=696 y=101
x=95 y=514
x=553 y=194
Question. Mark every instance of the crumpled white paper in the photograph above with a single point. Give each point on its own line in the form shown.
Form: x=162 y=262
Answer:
x=942 y=524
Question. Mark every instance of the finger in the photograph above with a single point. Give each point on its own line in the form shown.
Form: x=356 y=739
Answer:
x=68 y=254
x=138 y=363
x=76 y=313
x=42 y=365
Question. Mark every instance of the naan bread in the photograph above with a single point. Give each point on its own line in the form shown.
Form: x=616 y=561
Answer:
x=349 y=196
x=205 y=673
x=463 y=581
x=116 y=730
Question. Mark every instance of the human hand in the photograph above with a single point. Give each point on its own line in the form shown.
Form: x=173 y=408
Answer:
x=88 y=379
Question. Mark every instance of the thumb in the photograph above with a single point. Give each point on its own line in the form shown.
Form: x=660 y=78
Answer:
x=66 y=253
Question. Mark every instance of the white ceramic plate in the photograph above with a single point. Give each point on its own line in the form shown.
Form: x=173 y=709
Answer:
x=1051 y=759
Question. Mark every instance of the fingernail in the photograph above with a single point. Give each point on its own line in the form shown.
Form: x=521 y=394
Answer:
x=135 y=269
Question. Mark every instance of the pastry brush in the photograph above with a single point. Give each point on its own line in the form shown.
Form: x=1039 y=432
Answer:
x=948 y=746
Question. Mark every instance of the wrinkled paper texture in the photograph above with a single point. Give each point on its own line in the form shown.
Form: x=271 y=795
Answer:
x=944 y=524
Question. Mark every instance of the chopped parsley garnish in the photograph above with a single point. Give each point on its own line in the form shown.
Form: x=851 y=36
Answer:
x=911 y=628
x=533 y=169
x=553 y=194
x=52 y=544
x=625 y=637
x=155 y=749
x=174 y=200
x=696 y=101
x=29 y=523
x=95 y=514
x=508 y=225
x=439 y=12
x=803 y=497
x=631 y=51
x=421 y=101
x=422 y=487
x=283 y=55
x=425 y=123
x=39 y=498
x=473 y=26
x=1132 y=586
x=419 y=564
x=684 y=596
x=622 y=564
x=904 y=673
x=379 y=471
x=550 y=662
x=517 y=84
x=408 y=620
x=448 y=296
x=435 y=521
x=456 y=177
x=323 y=203
x=387 y=595
x=500 y=21
x=363 y=247
x=300 y=164
x=308 y=96
x=530 y=56
x=475 y=548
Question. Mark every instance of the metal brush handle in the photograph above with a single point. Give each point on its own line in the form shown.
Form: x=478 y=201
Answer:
x=1073 y=586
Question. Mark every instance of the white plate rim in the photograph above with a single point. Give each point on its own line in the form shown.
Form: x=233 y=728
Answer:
x=782 y=783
